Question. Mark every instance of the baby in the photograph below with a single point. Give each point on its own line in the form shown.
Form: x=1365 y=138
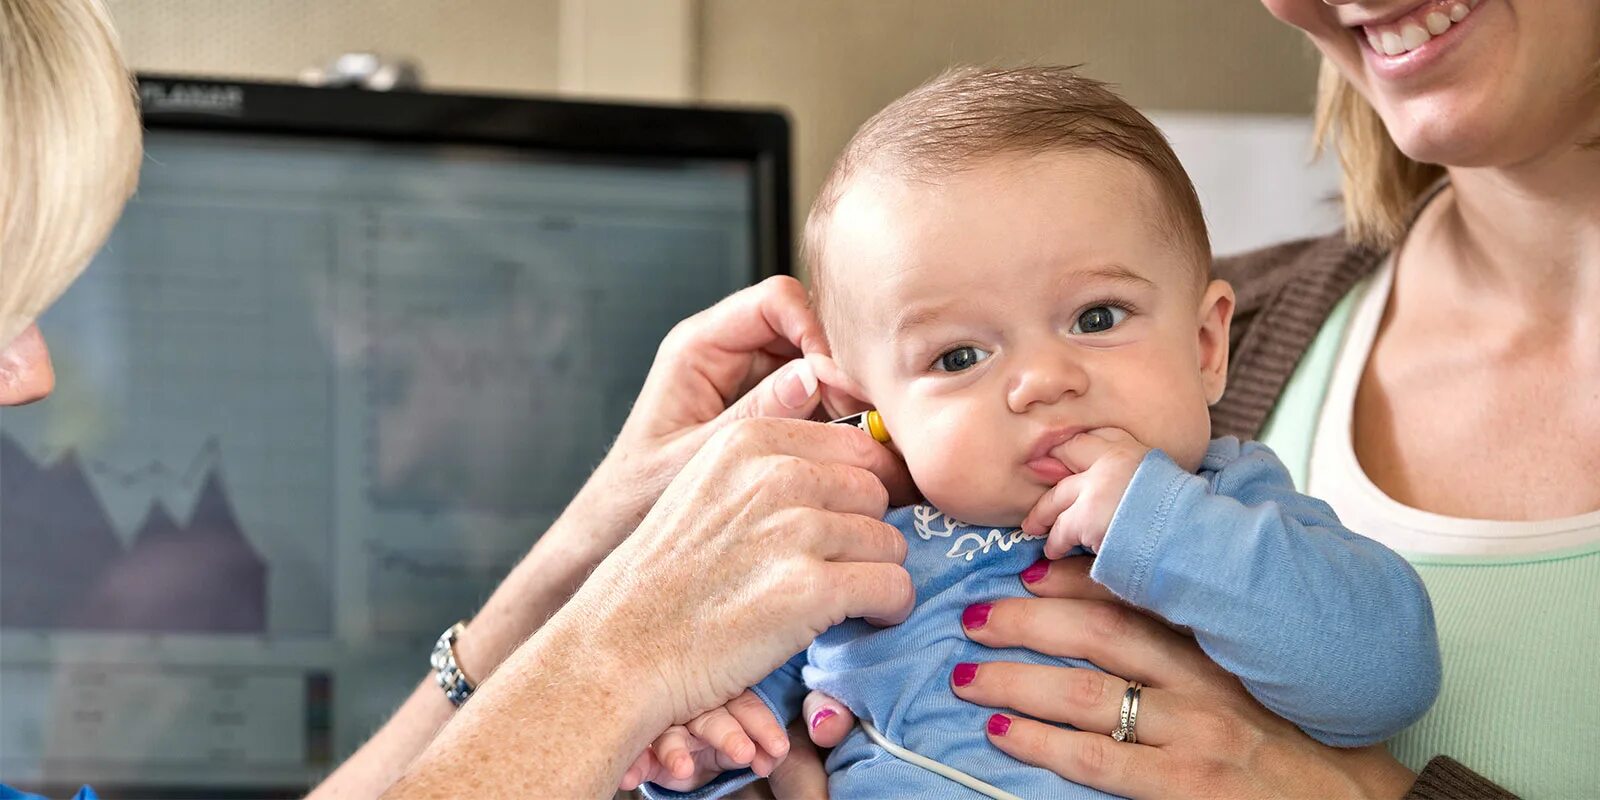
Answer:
x=1012 y=267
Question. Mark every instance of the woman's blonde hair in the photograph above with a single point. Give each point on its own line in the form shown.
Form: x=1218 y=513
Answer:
x=1381 y=185
x=69 y=148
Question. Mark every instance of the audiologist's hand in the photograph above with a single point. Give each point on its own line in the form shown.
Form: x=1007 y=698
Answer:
x=771 y=534
x=739 y=359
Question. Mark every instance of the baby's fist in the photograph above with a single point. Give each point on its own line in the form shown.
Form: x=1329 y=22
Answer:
x=686 y=757
x=1078 y=510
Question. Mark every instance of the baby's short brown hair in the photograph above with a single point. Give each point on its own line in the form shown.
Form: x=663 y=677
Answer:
x=969 y=114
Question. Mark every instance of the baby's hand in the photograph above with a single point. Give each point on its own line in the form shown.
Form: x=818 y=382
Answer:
x=742 y=733
x=1078 y=510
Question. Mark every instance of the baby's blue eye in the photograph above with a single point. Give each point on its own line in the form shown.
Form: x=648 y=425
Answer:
x=959 y=359
x=1099 y=319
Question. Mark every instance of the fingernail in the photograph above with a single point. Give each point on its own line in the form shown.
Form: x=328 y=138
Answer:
x=963 y=674
x=999 y=724
x=976 y=615
x=821 y=716
x=1037 y=571
x=797 y=385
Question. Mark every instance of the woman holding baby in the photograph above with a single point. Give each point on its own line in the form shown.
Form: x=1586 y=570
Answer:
x=1432 y=373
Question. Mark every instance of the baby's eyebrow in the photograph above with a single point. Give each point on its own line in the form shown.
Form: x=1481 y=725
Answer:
x=915 y=317
x=1119 y=274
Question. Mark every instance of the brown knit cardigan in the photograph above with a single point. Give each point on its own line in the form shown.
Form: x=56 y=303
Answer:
x=1285 y=294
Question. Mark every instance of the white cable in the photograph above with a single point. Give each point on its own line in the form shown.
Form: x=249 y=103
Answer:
x=935 y=767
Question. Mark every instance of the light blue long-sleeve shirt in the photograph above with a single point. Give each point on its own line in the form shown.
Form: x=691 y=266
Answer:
x=1330 y=630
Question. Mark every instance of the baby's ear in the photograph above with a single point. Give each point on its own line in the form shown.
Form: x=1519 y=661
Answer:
x=841 y=395
x=1216 y=317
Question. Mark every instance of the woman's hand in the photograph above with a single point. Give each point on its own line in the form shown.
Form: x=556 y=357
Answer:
x=1200 y=733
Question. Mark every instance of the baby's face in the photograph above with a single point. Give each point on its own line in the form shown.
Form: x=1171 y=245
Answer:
x=998 y=312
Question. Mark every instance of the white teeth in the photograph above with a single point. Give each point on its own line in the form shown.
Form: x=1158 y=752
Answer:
x=1414 y=36
x=1414 y=33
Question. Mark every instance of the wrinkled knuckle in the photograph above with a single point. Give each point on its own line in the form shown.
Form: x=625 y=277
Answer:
x=892 y=587
x=784 y=285
x=901 y=588
x=747 y=701
x=1092 y=761
x=739 y=435
x=1085 y=688
x=867 y=485
x=799 y=581
x=1211 y=726
x=778 y=474
x=787 y=523
x=898 y=545
x=859 y=444
x=679 y=336
x=1109 y=622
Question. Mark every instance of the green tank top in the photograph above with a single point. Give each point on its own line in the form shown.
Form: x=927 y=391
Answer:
x=1519 y=635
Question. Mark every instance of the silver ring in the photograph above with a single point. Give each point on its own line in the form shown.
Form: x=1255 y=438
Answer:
x=1130 y=715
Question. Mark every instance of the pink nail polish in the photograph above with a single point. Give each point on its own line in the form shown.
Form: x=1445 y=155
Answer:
x=1037 y=571
x=976 y=615
x=963 y=673
x=999 y=724
x=821 y=716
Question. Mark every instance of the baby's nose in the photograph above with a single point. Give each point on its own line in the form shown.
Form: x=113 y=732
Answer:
x=1045 y=380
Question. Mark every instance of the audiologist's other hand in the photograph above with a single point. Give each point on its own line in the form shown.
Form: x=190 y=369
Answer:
x=769 y=535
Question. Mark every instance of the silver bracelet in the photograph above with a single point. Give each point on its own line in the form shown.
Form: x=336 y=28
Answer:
x=455 y=683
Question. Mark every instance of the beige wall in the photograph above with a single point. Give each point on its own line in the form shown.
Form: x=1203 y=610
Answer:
x=492 y=45
x=832 y=63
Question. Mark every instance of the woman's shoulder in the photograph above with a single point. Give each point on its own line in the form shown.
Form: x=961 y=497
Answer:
x=1260 y=275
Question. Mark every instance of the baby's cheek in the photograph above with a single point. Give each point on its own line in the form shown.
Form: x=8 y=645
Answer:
x=963 y=478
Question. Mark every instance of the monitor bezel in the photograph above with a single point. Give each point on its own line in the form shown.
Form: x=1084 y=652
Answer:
x=760 y=137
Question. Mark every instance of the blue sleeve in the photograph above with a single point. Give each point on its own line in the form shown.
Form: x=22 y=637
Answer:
x=1329 y=629
x=783 y=691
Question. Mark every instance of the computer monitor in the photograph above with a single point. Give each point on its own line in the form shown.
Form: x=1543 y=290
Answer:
x=344 y=359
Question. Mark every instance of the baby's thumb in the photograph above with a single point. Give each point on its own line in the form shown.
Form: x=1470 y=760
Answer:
x=827 y=719
x=790 y=391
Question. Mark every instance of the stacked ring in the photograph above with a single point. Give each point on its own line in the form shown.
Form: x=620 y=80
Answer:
x=1130 y=714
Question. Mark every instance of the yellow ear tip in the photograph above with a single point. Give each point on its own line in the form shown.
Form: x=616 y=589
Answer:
x=876 y=427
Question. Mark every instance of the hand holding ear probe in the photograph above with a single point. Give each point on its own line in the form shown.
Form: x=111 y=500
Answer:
x=870 y=421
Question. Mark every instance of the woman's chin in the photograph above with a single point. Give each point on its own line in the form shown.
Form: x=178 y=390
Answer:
x=1458 y=132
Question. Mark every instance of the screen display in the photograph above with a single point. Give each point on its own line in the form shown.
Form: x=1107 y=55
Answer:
x=314 y=399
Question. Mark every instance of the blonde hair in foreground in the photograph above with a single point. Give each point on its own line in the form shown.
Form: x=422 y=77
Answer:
x=69 y=148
